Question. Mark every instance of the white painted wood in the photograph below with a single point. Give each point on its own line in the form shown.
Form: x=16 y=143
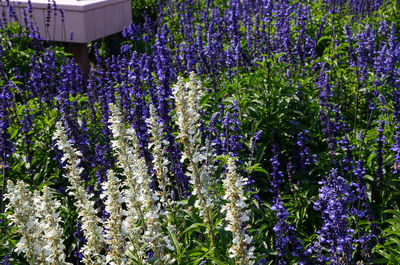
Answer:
x=87 y=19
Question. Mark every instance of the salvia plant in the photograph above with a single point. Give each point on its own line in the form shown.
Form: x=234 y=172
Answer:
x=138 y=227
x=208 y=132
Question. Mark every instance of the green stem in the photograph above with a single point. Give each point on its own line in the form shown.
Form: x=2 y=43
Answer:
x=3 y=188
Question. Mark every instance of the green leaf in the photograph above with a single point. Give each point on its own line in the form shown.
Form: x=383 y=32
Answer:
x=14 y=132
x=194 y=227
x=175 y=242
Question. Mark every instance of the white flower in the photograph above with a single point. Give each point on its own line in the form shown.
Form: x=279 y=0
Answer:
x=85 y=207
x=160 y=162
x=37 y=220
x=142 y=202
x=21 y=202
x=187 y=100
x=52 y=231
x=115 y=238
x=235 y=215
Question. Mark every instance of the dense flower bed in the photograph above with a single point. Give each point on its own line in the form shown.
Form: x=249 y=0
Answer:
x=219 y=132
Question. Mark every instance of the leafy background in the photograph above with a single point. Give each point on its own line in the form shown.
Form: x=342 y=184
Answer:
x=318 y=78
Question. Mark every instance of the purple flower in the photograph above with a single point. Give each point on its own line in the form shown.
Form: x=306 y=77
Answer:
x=231 y=127
x=285 y=236
x=130 y=32
x=386 y=58
x=263 y=261
x=283 y=33
x=301 y=155
x=328 y=113
x=78 y=234
x=363 y=210
x=166 y=76
x=234 y=34
x=365 y=51
x=213 y=134
x=303 y=45
x=276 y=173
x=6 y=259
x=26 y=126
x=380 y=141
x=254 y=142
x=347 y=162
x=42 y=76
x=335 y=235
x=6 y=145
x=396 y=117
x=280 y=229
x=361 y=189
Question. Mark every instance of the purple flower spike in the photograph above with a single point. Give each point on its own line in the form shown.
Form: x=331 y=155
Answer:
x=335 y=235
x=6 y=260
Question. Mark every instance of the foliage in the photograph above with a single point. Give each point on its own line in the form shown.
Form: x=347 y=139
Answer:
x=320 y=79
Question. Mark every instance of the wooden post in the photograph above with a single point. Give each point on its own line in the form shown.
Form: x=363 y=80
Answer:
x=81 y=53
